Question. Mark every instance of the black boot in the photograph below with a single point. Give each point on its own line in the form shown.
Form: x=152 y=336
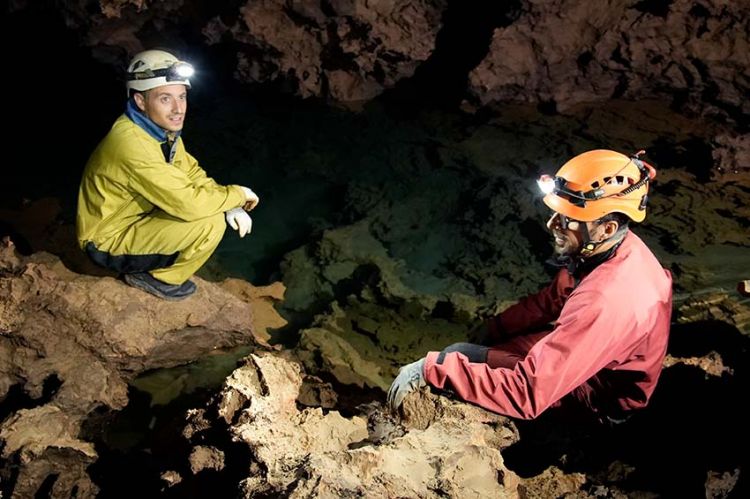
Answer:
x=150 y=284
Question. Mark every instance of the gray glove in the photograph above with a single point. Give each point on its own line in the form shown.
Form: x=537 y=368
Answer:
x=410 y=378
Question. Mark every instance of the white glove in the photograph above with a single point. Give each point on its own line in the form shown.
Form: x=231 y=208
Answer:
x=251 y=199
x=239 y=220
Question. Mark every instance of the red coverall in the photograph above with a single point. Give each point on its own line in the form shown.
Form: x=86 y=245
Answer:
x=606 y=348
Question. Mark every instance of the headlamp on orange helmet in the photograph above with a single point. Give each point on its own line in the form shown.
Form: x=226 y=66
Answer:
x=599 y=182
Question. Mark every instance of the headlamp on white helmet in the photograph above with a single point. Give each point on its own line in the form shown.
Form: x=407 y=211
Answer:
x=157 y=68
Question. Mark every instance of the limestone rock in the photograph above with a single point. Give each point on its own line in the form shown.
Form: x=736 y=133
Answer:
x=71 y=343
x=440 y=448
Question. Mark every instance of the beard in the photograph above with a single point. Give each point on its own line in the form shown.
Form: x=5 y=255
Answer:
x=564 y=246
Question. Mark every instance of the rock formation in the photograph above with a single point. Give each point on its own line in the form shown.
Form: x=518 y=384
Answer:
x=346 y=50
x=567 y=52
x=443 y=447
x=69 y=343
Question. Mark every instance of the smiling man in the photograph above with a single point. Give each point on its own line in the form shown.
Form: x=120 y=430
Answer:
x=597 y=335
x=146 y=209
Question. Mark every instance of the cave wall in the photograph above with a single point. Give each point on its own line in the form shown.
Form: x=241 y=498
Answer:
x=558 y=53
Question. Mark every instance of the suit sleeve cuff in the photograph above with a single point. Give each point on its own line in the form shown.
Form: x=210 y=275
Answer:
x=430 y=361
x=237 y=194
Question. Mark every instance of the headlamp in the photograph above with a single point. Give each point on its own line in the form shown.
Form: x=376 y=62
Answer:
x=179 y=71
x=546 y=184
x=556 y=185
x=182 y=69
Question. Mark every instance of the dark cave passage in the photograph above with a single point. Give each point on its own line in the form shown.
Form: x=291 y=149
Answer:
x=461 y=44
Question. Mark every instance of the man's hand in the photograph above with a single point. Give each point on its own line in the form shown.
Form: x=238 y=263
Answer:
x=251 y=199
x=410 y=378
x=239 y=220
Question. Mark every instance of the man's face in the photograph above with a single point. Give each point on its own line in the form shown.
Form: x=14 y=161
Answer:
x=165 y=106
x=567 y=240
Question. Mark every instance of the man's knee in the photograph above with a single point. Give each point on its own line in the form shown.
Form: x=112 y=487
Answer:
x=202 y=234
x=212 y=230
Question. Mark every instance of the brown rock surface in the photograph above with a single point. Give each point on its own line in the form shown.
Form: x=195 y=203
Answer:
x=715 y=305
x=260 y=397
x=563 y=51
x=265 y=317
x=71 y=343
x=347 y=50
x=444 y=448
x=567 y=52
x=552 y=483
x=206 y=458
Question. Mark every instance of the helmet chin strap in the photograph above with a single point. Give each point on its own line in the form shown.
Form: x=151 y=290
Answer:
x=587 y=245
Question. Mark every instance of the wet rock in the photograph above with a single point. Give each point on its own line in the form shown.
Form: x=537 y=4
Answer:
x=322 y=351
x=366 y=303
x=71 y=342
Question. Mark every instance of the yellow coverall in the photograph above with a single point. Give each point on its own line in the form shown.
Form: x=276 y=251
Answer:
x=133 y=202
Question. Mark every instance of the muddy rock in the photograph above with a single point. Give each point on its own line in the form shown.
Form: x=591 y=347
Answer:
x=451 y=449
x=70 y=343
x=323 y=351
x=721 y=484
x=366 y=300
x=314 y=392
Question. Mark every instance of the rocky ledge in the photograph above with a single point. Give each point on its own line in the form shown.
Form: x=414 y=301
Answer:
x=69 y=344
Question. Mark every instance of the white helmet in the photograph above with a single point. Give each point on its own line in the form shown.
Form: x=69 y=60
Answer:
x=157 y=68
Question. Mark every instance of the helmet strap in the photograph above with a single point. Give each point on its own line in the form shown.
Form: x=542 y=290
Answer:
x=587 y=245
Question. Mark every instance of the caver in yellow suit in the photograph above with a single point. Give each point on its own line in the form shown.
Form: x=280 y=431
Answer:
x=146 y=209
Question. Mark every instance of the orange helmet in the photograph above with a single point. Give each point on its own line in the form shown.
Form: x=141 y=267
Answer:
x=599 y=182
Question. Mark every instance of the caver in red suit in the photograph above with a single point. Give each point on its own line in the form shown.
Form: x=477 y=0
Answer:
x=609 y=309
